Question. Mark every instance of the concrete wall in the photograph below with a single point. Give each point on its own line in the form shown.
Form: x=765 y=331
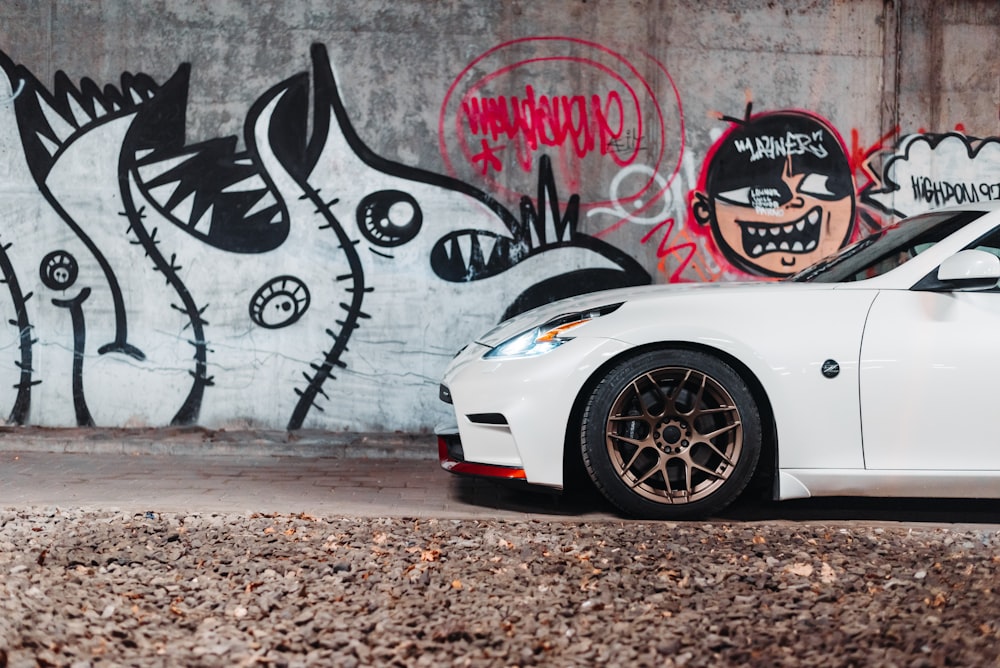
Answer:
x=292 y=214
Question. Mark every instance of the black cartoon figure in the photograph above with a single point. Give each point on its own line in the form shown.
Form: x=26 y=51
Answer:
x=302 y=281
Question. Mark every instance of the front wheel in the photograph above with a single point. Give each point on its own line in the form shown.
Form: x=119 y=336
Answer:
x=671 y=434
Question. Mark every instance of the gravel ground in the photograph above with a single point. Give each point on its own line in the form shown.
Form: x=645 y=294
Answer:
x=101 y=588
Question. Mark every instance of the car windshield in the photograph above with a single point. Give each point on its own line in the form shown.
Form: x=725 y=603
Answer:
x=886 y=249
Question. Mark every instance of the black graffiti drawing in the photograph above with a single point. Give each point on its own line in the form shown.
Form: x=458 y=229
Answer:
x=75 y=306
x=279 y=303
x=59 y=270
x=21 y=405
x=541 y=228
x=528 y=236
x=153 y=128
x=926 y=171
x=313 y=246
x=48 y=123
x=389 y=218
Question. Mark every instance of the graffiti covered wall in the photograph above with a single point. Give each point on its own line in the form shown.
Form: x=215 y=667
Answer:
x=285 y=217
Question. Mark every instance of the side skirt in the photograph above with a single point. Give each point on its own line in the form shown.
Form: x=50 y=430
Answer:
x=805 y=483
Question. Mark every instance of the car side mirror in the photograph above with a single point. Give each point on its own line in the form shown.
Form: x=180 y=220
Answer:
x=971 y=268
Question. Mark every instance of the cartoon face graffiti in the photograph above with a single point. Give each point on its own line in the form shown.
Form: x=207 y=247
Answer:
x=777 y=192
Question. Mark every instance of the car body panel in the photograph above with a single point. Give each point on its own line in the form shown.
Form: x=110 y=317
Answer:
x=805 y=483
x=929 y=368
x=852 y=372
x=534 y=399
x=537 y=399
x=742 y=323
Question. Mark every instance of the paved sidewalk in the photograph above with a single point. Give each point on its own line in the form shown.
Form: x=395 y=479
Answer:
x=214 y=471
x=199 y=441
x=343 y=475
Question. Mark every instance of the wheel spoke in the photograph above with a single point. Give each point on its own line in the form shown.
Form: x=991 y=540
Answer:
x=666 y=481
x=696 y=404
x=631 y=441
x=663 y=495
x=718 y=452
x=649 y=474
x=618 y=419
x=721 y=430
x=639 y=395
x=707 y=471
x=715 y=411
x=631 y=462
x=679 y=388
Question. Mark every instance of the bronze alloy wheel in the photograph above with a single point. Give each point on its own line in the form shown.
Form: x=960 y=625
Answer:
x=671 y=434
x=674 y=435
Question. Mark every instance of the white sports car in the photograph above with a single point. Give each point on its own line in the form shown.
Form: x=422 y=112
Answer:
x=872 y=373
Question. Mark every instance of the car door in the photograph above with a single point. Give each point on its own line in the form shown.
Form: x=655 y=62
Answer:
x=929 y=372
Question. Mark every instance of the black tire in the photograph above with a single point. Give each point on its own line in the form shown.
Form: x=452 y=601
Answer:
x=671 y=434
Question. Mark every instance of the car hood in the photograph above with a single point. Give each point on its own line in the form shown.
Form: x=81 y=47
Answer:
x=657 y=293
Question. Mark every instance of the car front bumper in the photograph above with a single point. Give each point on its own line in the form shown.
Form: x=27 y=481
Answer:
x=452 y=458
x=512 y=414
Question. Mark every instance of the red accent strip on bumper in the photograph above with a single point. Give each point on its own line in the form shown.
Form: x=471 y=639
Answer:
x=468 y=468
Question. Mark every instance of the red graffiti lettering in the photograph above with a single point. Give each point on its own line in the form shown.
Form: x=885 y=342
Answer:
x=488 y=156
x=495 y=122
x=529 y=122
x=682 y=252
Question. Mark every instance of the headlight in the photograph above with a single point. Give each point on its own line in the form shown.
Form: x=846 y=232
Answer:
x=548 y=336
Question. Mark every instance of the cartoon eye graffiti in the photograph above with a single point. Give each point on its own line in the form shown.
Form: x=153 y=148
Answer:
x=739 y=196
x=817 y=185
x=279 y=302
x=59 y=270
x=389 y=218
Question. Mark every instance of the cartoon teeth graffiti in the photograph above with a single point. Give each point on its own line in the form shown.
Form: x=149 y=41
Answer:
x=793 y=237
x=777 y=192
x=301 y=282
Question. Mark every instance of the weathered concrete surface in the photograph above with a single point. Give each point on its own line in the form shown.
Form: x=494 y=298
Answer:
x=377 y=478
x=842 y=59
x=134 y=199
x=195 y=441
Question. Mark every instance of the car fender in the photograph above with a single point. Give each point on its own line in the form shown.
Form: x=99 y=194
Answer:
x=801 y=345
